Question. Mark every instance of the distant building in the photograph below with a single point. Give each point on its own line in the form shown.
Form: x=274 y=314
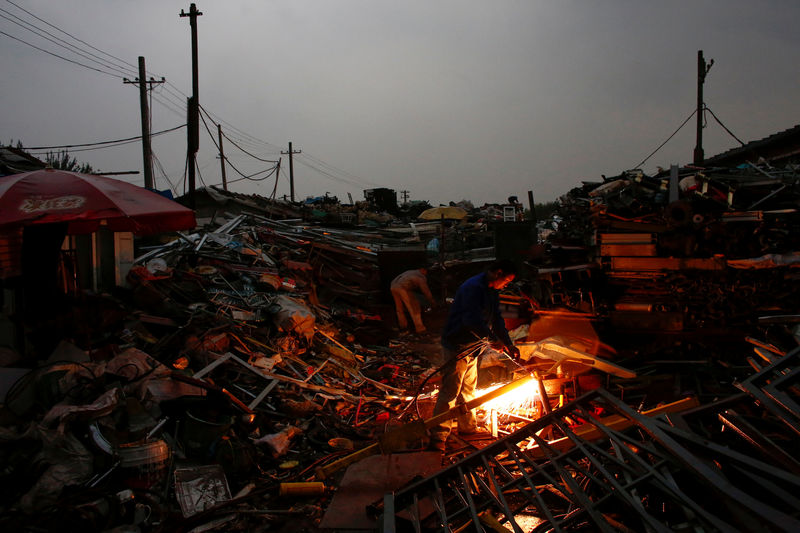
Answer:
x=778 y=149
x=384 y=199
x=15 y=160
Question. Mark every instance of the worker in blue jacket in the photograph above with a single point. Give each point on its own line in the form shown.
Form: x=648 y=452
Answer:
x=474 y=323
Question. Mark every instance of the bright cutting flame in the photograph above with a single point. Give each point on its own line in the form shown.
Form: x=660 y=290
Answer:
x=520 y=399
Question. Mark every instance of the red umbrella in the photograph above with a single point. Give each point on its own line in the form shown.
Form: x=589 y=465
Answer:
x=86 y=202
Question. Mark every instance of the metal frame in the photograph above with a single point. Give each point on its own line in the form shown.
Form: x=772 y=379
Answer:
x=775 y=387
x=645 y=477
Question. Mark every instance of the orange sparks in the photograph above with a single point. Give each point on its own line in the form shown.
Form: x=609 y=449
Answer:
x=518 y=400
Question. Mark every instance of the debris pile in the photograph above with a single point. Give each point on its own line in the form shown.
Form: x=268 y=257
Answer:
x=247 y=364
x=239 y=364
x=217 y=378
x=685 y=249
x=597 y=464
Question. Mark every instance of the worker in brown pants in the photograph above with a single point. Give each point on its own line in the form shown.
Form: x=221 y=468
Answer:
x=404 y=291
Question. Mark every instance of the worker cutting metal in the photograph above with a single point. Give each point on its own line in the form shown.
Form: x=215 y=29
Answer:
x=474 y=323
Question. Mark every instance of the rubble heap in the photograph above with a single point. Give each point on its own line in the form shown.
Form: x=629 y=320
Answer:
x=247 y=361
x=683 y=249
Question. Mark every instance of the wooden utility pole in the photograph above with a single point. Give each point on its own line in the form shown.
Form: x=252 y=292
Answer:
x=222 y=159
x=193 y=111
x=147 y=152
x=291 y=169
x=532 y=207
x=702 y=70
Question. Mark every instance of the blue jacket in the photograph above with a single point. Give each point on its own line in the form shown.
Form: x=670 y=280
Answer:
x=475 y=314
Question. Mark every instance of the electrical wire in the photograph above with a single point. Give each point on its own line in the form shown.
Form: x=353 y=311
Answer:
x=665 y=142
x=119 y=66
x=199 y=174
x=724 y=126
x=47 y=36
x=170 y=97
x=101 y=143
x=232 y=142
x=340 y=171
x=326 y=173
x=185 y=172
x=58 y=56
x=161 y=169
x=248 y=153
x=180 y=112
x=277 y=177
x=37 y=153
x=72 y=36
x=253 y=139
x=250 y=177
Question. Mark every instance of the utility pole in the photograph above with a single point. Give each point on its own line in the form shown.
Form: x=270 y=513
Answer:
x=532 y=207
x=193 y=108
x=534 y=227
x=291 y=169
x=702 y=70
x=147 y=152
x=222 y=159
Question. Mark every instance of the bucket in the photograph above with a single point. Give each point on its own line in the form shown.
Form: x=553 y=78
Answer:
x=143 y=465
x=199 y=432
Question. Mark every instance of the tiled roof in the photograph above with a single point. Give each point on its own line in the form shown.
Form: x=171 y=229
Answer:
x=753 y=147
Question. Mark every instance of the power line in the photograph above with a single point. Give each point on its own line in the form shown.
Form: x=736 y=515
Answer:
x=164 y=98
x=250 y=177
x=172 y=186
x=58 y=56
x=231 y=140
x=668 y=139
x=333 y=176
x=123 y=69
x=333 y=168
x=128 y=139
x=246 y=152
x=59 y=42
x=724 y=126
x=253 y=139
x=132 y=66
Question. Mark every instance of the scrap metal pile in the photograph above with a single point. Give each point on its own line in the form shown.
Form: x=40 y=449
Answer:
x=684 y=249
x=218 y=377
x=247 y=364
x=597 y=464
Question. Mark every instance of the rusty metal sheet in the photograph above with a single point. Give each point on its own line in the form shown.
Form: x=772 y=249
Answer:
x=365 y=482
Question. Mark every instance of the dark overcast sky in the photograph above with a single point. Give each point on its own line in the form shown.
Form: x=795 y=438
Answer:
x=450 y=100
